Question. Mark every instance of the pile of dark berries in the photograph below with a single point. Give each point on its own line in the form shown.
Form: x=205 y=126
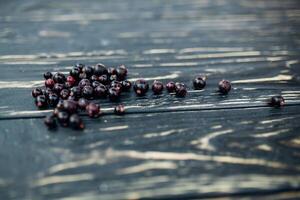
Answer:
x=71 y=94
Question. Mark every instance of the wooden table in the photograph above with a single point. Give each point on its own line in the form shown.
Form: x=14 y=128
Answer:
x=204 y=145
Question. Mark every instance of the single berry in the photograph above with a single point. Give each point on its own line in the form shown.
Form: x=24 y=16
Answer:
x=53 y=99
x=36 y=92
x=113 y=77
x=93 y=110
x=113 y=94
x=48 y=75
x=87 y=92
x=141 y=87
x=71 y=81
x=59 y=78
x=79 y=66
x=75 y=92
x=180 y=90
x=171 y=87
x=75 y=72
x=64 y=93
x=224 y=87
x=84 y=82
x=88 y=70
x=41 y=101
x=82 y=103
x=58 y=87
x=121 y=73
x=199 y=82
x=70 y=106
x=126 y=85
x=100 y=91
x=75 y=122
x=276 y=101
x=50 y=122
x=112 y=71
x=47 y=91
x=157 y=87
x=63 y=118
x=94 y=78
x=100 y=69
x=119 y=109
x=117 y=85
x=103 y=79
x=60 y=104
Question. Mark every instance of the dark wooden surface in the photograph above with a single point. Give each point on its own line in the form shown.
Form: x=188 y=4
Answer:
x=202 y=146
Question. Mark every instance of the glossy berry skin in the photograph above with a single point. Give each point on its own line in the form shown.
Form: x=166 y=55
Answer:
x=75 y=92
x=94 y=78
x=112 y=71
x=224 y=86
x=53 y=99
x=80 y=66
x=180 y=90
x=41 y=101
x=121 y=73
x=82 y=103
x=83 y=76
x=199 y=82
x=58 y=87
x=113 y=94
x=60 y=104
x=93 y=110
x=50 y=122
x=157 y=87
x=36 y=92
x=71 y=81
x=63 y=118
x=104 y=79
x=59 y=78
x=75 y=72
x=141 y=87
x=47 y=75
x=100 y=91
x=64 y=93
x=47 y=91
x=84 y=82
x=119 y=110
x=75 y=122
x=117 y=85
x=100 y=69
x=171 y=87
x=88 y=70
x=87 y=92
x=277 y=101
x=126 y=85
x=70 y=106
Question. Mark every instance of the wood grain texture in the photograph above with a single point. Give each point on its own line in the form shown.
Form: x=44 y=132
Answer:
x=205 y=145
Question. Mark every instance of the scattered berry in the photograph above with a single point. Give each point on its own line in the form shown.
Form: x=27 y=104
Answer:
x=224 y=87
x=180 y=90
x=63 y=118
x=119 y=109
x=199 y=82
x=50 y=122
x=171 y=87
x=75 y=122
x=93 y=110
x=141 y=87
x=36 y=92
x=157 y=87
x=114 y=94
x=126 y=85
x=100 y=91
x=277 y=101
x=41 y=101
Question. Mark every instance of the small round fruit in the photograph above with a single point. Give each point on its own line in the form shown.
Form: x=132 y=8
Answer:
x=119 y=110
x=126 y=85
x=82 y=103
x=141 y=87
x=75 y=122
x=53 y=99
x=47 y=75
x=224 y=86
x=75 y=92
x=199 y=82
x=157 y=87
x=121 y=73
x=50 y=122
x=171 y=87
x=113 y=94
x=100 y=91
x=88 y=70
x=87 y=92
x=59 y=78
x=64 y=93
x=100 y=69
x=63 y=118
x=277 y=101
x=84 y=82
x=41 y=101
x=36 y=92
x=180 y=90
x=93 y=110
x=58 y=87
x=71 y=81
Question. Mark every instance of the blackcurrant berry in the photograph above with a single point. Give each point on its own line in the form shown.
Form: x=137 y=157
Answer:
x=113 y=94
x=64 y=93
x=53 y=99
x=48 y=75
x=276 y=101
x=157 y=87
x=58 y=87
x=63 y=118
x=70 y=106
x=119 y=109
x=224 y=87
x=199 y=82
x=41 y=101
x=75 y=122
x=126 y=85
x=82 y=103
x=36 y=92
x=88 y=70
x=171 y=87
x=50 y=122
x=141 y=87
x=100 y=69
x=93 y=110
x=100 y=91
x=84 y=82
x=59 y=78
x=75 y=92
x=87 y=92
x=121 y=73
x=180 y=90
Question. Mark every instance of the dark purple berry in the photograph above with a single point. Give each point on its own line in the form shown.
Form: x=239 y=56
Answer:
x=58 y=87
x=59 y=78
x=60 y=104
x=93 y=110
x=36 y=92
x=82 y=103
x=75 y=122
x=126 y=85
x=75 y=72
x=96 y=84
x=83 y=76
x=53 y=99
x=87 y=92
x=103 y=79
x=75 y=92
x=224 y=87
x=141 y=87
x=50 y=122
x=70 y=106
x=84 y=82
x=157 y=87
x=119 y=110
x=117 y=85
x=48 y=75
x=113 y=94
x=171 y=87
x=277 y=101
x=112 y=71
x=180 y=90
x=63 y=118
x=88 y=70
x=71 y=81
x=47 y=91
x=199 y=82
x=64 y=93
x=94 y=78
x=100 y=69
x=41 y=101
x=100 y=91
x=121 y=73
x=79 y=66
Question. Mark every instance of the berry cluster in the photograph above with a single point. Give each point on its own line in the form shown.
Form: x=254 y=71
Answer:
x=73 y=93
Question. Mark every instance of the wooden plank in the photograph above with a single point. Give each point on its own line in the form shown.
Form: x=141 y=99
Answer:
x=190 y=153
